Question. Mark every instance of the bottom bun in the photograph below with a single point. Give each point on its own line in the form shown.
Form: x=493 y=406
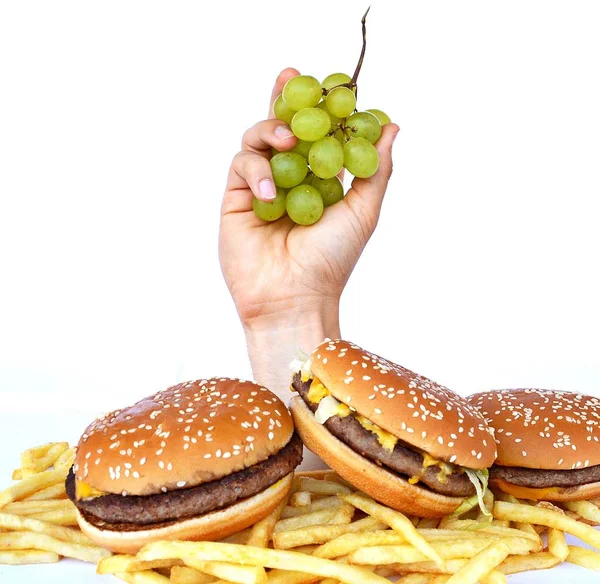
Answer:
x=580 y=493
x=365 y=475
x=211 y=526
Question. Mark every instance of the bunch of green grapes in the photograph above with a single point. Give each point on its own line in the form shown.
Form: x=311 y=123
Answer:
x=332 y=135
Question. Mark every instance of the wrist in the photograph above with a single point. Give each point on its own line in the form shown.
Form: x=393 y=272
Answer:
x=273 y=339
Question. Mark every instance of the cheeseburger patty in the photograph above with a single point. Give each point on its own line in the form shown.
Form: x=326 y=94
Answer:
x=540 y=478
x=142 y=510
x=401 y=460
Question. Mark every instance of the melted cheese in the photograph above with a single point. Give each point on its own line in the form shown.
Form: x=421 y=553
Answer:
x=317 y=391
x=526 y=492
x=413 y=480
x=85 y=491
x=387 y=440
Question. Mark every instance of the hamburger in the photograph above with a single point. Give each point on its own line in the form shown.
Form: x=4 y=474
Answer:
x=200 y=460
x=403 y=439
x=548 y=443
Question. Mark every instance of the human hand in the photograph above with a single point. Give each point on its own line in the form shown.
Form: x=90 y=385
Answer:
x=286 y=279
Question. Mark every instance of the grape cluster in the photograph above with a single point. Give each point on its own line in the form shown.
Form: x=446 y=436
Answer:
x=332 y=135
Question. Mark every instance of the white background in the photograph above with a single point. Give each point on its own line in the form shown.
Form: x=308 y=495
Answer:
x=118 y=121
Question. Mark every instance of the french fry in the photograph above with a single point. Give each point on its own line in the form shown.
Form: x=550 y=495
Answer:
x=239 y=537
x=285 y=577
x=23 y=540
x=428 y=522
x=534 y=561
x=65 y=460
x=540 y=516
x=185 y=575
x=283 y=560
x=494 y=577
x=318 y=505
x=439 y=579
x=38 y=451
x=17 y=474
x=32 y=464
x=33 y=507
x=324 y=516
x=22 y=557
x=65 y=517
x=396 y=521
x=146 y=577
x=585 y=509
x=557 y=544
x=18 y=523
x=584 y=557
x=318 y=534
x=449 y=567
x=300 y=499
x=56 y=491
x=322 y=487
x=30 y=485
x=482 y=564
x=416 y=579
x=488 y=503
x=262 y=531
x=127 y=563
x=230 y=570
x=448 y=550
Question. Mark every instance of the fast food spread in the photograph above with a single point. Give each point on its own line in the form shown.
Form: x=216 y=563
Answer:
x=199 y=483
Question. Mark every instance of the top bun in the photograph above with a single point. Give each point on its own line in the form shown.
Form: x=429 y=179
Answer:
x=413 y=408
x=189 y=434
x=543 y=429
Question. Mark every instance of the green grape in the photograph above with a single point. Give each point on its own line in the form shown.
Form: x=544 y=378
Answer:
x=326 y=157
x=283 y=112
x=335 y=121
x=304 y=205
x=302 y=148
x=341 y=102
x=289 y=169
x=331 y=189
x=308 y=179
x=311 y=124
x=272 y=210
x=360 y=157
x=381 y=116
x=364 y=125
x=335 y=79
x=302 y=91
x=340 y=136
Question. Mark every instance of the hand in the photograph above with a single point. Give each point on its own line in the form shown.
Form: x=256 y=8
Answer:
x=285 y=279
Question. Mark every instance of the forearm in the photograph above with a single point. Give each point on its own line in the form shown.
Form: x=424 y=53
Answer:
x=273 y=341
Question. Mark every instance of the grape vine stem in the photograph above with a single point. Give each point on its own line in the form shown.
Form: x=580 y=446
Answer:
x=362 y=52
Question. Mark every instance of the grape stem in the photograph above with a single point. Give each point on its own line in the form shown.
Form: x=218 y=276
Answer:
x=352 y=83
x=362 y=52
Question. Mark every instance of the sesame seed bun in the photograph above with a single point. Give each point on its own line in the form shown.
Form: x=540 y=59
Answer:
x=365 y=475
x=543 y=429
x=409 y=406
x=554 y=434
x=187 y=435
x=211 y=526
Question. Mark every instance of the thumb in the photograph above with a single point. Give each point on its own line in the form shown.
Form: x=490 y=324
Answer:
x=372 y=190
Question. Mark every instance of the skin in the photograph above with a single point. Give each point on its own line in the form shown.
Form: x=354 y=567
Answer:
x=286 y=280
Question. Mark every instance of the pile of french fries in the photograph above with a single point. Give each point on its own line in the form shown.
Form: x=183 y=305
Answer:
x=325 y=531
x=36 y=518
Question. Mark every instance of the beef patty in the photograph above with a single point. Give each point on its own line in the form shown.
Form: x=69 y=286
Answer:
x=541 y=478
x=402 y=460
x=139 y=511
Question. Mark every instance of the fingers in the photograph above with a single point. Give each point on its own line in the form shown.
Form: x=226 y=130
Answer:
x=263 y=136
x=249 y=176
x=368 y=193
x=282 y=79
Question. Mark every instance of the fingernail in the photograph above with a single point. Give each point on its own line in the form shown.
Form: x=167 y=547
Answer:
x=266 y=188
x=394 y=136
x=283 y=132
